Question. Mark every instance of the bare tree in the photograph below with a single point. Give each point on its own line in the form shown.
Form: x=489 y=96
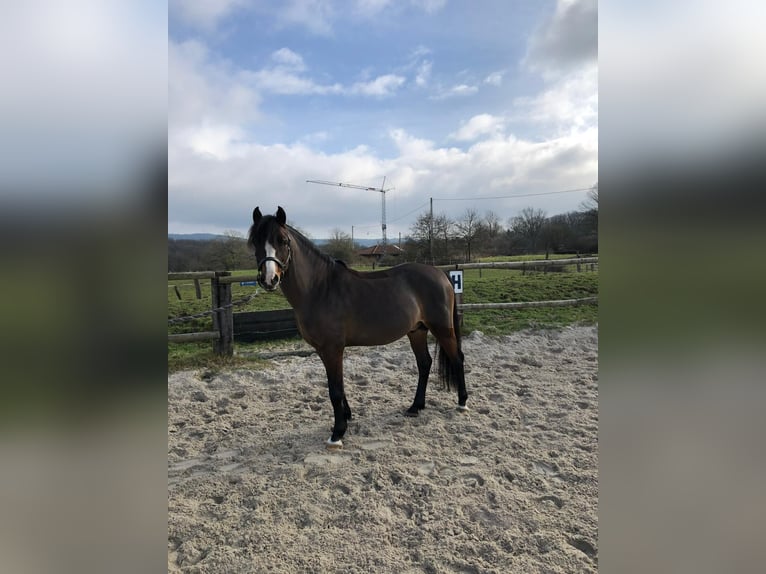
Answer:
x=589 y=228
x=467 y=228
x=339 y=245
x=427 y=231
x=444 y=229
x=492 y=224
x=528 y=226
x=591 y=204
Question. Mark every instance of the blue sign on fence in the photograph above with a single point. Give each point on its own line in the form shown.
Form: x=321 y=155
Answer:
x=248 y=283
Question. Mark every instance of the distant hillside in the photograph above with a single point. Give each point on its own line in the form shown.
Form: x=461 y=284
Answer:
x=209 y=236
x=359 y=242
x=194 y=236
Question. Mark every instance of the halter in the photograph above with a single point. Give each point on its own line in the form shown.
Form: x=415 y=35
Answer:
x=282 y=266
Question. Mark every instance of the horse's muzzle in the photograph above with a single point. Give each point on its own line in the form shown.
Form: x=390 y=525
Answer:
x=272 y=283
x=266 y=285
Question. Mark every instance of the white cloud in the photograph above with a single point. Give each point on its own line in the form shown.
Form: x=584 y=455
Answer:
x=479 y=125
x=380 y=86
x=219 y=141
x=321 y=17
x=420 y=52
x=202 y=89
x=424 y=73
x=370 y=8
x=430 y=6
x=458 y=90
x=419 y=65
x=314 y=15
x=567 y=104
x=289 y=59
x=283 y=81
x=494 y=79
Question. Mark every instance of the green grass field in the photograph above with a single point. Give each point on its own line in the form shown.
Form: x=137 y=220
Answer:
x=480 y=286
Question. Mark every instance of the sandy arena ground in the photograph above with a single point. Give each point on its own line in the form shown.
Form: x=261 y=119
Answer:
x=511 y=486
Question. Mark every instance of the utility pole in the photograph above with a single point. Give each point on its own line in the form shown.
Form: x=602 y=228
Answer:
x=431 y=232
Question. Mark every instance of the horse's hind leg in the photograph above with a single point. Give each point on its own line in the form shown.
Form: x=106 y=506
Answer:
x=455 y=371
x=419 y=342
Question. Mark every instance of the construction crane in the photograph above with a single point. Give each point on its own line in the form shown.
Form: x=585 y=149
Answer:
x=382 y=190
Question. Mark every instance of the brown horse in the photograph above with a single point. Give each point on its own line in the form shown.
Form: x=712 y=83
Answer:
x=337 y=307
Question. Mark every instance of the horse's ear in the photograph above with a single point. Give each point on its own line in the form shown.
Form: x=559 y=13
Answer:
x=256 y=215
x=281 y=216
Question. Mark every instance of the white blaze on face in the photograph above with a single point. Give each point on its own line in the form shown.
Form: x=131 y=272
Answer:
x=270 y=268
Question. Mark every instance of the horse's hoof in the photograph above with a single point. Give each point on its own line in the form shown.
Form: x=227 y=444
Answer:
x=334 y=445
x=462 y=409
x=411 y=413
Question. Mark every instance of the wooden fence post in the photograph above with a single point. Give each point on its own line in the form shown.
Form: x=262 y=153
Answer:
x=223 y=321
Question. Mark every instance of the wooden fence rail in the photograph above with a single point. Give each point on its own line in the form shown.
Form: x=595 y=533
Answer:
x=190 y=337
x=521 y=264
x=191 y=275
x=529 y=304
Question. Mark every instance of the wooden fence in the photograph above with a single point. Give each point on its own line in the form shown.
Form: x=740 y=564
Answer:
x=541 y=264
x=264 y=325
x=228 y=326
x=254 y=326
x=220 y=290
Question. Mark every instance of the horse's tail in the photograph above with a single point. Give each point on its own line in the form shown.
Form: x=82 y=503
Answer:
x=450 y=371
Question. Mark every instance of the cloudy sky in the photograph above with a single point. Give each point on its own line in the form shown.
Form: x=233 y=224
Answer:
x=452 y=100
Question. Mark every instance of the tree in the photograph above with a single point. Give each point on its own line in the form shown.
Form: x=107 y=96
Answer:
x=556 y=233
x=228 y=253
x=591 y=204
x=467 y=228
x=443 y=230
x=186 y=255
x=589 y=220
x=488 y=235
x=528 y=226
x=428 y=231
x=339 y=246
x=492 y=224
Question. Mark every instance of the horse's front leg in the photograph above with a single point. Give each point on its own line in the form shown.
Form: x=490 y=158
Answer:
x=333 y=363
x=419 y=343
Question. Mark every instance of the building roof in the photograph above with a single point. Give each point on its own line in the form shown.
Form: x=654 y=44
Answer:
x=377 y=250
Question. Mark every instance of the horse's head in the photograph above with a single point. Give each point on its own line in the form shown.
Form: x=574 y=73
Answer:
x=270 y=240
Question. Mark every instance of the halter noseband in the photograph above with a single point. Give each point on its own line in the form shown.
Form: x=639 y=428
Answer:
x=282 y=266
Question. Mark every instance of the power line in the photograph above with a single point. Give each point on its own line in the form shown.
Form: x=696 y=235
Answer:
x=410 y=212
x=421 y=206
x=512 y=196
